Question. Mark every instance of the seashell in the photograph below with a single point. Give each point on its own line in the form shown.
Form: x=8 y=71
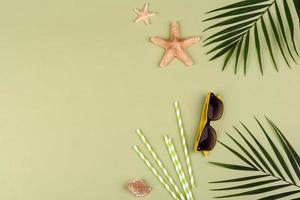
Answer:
x=138 y=187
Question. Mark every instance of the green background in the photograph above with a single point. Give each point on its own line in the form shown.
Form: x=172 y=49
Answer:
x=78 y=77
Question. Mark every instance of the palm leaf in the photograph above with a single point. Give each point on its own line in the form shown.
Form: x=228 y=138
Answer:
x=263 y=21
x=290 y=23
x=268 y=168
x=246 y=49
x=297 y=5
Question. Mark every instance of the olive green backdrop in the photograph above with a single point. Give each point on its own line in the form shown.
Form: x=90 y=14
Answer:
x=78 y=77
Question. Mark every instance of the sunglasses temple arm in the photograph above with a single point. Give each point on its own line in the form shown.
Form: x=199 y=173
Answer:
x=205 y=153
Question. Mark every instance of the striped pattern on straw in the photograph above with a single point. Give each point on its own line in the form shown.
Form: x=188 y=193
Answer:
x=178 y=167
x=154 y=171
x=184 y=145
x=159 y=163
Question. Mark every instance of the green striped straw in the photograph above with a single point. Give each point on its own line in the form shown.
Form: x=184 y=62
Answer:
x=178 y=167
x=159 y=163
x=184 y=145
x=154 y=171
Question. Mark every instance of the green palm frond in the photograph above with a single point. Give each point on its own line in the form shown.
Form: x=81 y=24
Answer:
x=240 y=24
x=297 y=5
x=271 y=171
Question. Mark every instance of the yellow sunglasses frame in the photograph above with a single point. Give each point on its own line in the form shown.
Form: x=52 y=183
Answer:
x=203 y=121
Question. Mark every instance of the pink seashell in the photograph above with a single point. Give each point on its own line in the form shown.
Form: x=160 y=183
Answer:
x=138 y=187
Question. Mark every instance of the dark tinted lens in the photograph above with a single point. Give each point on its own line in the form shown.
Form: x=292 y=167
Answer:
x=208 y=139
x=215 y=108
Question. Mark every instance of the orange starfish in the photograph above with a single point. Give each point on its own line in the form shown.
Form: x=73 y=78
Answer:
x=175 y=46
x=144 y=15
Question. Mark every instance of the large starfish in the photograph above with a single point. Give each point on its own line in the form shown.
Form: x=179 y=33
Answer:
x=175 y=46
x=144 y=14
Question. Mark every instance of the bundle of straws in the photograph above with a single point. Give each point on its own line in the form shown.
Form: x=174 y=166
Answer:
x=186 y=181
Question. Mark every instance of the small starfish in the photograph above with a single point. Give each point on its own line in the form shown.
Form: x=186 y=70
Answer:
x=144 y=15
x=175 y=46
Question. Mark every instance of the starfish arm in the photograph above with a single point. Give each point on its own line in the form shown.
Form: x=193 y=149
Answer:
x=146 y=21
x=146 y=7
x=136 y=11
x=152 y=14
x=167 y=58
x=189 y=41
x=174 y=32
x=138 y=19
x=184 y=57
x=159 y=42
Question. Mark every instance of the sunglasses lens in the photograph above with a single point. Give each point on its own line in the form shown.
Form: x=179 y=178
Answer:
x=215 y=108
x=208 y=139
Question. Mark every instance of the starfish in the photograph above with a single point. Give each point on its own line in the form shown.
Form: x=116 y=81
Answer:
x=144 y=14
x=175 y=46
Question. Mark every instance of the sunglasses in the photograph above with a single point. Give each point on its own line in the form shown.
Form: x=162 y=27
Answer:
x=206 y=136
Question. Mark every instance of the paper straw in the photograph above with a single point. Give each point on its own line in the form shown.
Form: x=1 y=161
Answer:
x=184 y=145
x=154 y=171
x=159 y=163
x=178 y=167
